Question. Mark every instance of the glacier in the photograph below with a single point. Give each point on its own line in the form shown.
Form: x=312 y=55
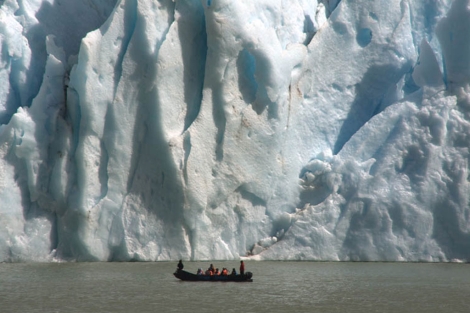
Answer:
x=153 y=130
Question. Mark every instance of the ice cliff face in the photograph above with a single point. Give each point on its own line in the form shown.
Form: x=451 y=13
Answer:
x=218 y=129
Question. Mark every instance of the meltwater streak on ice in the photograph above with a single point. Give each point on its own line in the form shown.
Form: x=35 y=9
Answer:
x=302 y=287
x=186 y=125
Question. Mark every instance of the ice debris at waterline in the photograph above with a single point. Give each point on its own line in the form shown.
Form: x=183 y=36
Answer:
x=287 y=130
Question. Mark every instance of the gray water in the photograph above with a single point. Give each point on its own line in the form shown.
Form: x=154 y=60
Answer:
x=277 y=287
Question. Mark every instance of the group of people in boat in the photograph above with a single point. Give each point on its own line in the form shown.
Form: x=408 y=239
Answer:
x=211 y=271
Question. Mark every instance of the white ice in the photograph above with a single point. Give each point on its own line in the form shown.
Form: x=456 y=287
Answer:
x=218 y=129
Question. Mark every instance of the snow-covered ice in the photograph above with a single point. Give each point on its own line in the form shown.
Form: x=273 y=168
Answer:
x=220 y=129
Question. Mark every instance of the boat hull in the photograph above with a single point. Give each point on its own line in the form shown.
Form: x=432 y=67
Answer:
x=187 y=276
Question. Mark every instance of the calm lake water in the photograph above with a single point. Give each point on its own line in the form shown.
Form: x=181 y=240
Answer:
x=277 y=287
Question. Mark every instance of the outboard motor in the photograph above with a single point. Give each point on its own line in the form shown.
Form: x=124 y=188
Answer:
x=249 y=275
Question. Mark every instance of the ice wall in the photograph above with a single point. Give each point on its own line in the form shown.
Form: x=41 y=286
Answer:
x=218 y=129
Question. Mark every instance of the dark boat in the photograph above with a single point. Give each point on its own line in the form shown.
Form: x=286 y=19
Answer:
x=187 y=276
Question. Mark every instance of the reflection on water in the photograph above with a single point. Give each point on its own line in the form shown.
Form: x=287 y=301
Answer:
x=277 y=287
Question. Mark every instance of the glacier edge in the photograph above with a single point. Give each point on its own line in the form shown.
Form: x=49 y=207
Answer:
x=315 y=130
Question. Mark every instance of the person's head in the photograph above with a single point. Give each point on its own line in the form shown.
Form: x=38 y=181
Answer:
x=241 y=262
x=181 y=261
